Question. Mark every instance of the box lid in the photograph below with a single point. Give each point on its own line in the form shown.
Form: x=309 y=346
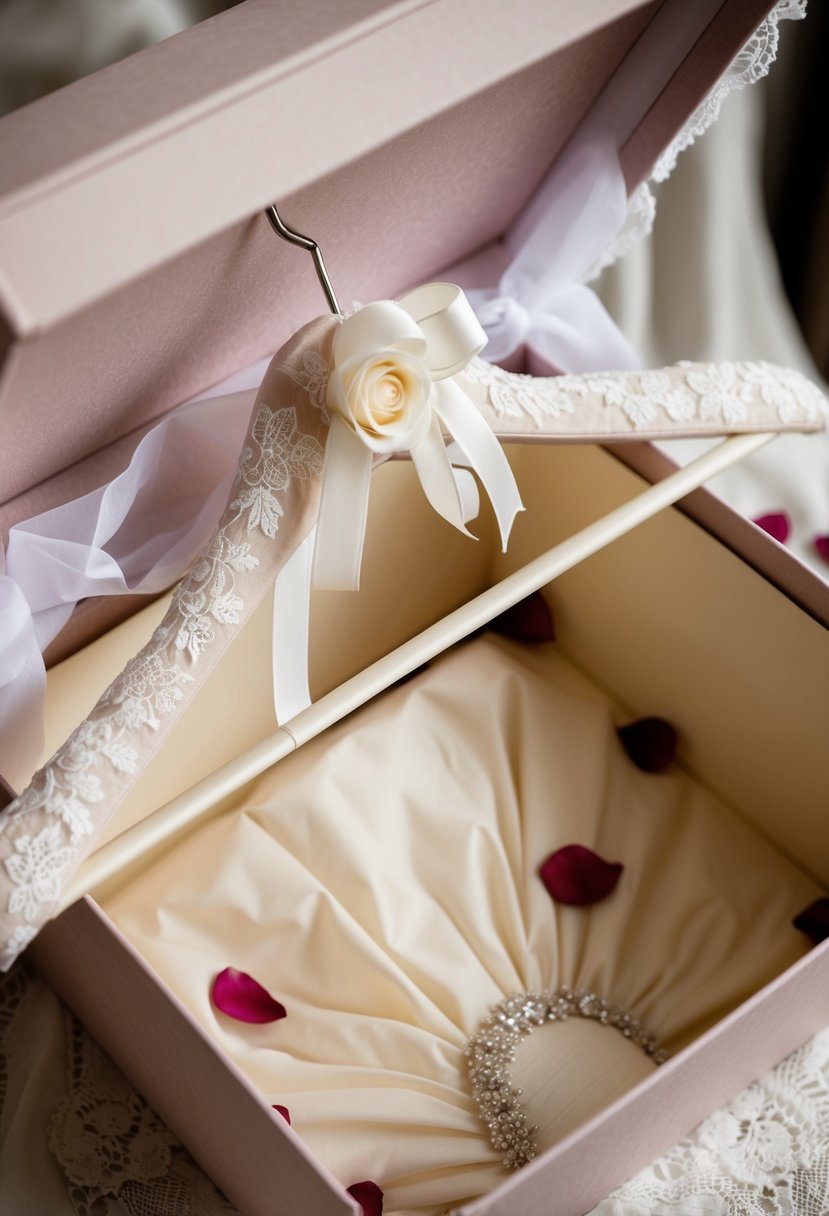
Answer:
x=135 y=265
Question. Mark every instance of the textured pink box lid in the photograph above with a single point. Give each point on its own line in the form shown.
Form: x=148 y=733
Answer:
x=135 y=265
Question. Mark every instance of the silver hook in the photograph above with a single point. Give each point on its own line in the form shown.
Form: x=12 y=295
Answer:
x=305 y=242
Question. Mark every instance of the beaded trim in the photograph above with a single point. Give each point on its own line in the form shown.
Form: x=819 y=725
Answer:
x=492 y=1050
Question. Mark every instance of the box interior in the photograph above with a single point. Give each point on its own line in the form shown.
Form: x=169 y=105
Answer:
x=656 y=620
x=680 y=641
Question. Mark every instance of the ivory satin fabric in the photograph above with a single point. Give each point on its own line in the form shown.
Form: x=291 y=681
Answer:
x=382 y=884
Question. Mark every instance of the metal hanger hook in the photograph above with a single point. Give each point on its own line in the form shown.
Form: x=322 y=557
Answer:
x=305 y=242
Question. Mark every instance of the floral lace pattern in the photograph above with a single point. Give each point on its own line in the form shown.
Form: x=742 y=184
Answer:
x=313 y=378
x=72 y=796
x=687 y=397
x=766 y=1152
x=103 y=1133
x=751 y=64
x=117 y=1155
x=283 y=454
x=71 y=784
x=514 y=395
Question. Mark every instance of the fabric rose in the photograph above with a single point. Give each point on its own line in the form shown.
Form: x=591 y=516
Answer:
x=383 y=393
x=392 y=390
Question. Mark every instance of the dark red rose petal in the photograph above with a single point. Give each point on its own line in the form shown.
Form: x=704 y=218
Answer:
x=241 y=997
x=529 y=620
x=822 y=546
x=814 y=920
x=284 y=1112
x=577 y=876
x=649 y=742
x=777 y=524
x=369 y=1195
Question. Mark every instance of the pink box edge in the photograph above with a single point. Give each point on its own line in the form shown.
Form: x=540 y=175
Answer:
x=583 y=1168
x=85 y=937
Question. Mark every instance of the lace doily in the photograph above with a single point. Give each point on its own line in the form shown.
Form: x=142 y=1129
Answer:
x=115 y=1154
x=752 y=64
x=767 y=1152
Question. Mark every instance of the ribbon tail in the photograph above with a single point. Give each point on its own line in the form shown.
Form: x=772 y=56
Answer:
x=436 y=476
x=467 y=491
x=483 y=453
x=341 y=525
x=291 y=613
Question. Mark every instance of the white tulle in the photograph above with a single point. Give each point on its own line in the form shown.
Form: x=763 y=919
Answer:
x=541 y=299
x=138 y=534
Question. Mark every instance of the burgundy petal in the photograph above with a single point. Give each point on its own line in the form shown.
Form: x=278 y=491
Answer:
x=530 y=620
x=284 y=1112
x=240 y=996
x=814 y=920
x=369 y=1195
x=822 y=546
x=576 y=875
x=649 y=742
x=776 y=523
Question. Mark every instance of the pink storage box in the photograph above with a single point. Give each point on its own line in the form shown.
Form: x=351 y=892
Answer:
x=132 y=284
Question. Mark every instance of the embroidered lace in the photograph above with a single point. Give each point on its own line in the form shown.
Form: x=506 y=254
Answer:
x=116 y=1156
x=752 y=64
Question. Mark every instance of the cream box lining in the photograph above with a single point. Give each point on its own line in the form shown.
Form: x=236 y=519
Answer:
x=763 y=759
x=382 y=883
x=660 y=618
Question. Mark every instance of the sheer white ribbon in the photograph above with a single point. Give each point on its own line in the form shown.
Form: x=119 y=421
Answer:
x=138 y=534
x=542 y=299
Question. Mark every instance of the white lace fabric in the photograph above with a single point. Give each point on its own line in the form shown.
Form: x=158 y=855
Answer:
x=108 y=1152
x=752 y=63
x=116 y=1154
x=766 y=1152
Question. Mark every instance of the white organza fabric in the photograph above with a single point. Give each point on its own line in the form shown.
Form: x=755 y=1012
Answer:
x=382 y=884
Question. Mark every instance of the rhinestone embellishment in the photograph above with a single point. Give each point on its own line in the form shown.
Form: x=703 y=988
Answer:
x=491 y=1051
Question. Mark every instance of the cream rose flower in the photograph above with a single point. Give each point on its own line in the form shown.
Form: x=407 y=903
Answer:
x=380 y=384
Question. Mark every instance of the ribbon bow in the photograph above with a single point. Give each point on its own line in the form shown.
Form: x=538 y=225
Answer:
x=541 y=298
x=391 y=390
